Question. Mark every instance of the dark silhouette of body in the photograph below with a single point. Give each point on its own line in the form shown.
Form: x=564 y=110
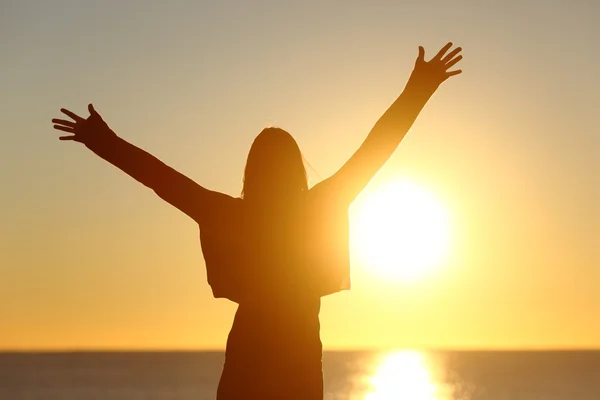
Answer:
x=280 y=247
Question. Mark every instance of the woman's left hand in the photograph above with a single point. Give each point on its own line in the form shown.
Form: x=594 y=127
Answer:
x=88 y=130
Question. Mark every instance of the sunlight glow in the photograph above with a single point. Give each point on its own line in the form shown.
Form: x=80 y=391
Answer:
x=401 y=230
x=403 y=375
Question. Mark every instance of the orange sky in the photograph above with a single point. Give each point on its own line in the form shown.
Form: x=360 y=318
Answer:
x=90 y=259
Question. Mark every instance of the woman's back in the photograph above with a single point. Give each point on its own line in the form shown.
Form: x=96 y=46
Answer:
x=274 y=349
x=267 y=253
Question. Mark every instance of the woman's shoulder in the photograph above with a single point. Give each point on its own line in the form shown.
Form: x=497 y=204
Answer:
x=219 y=206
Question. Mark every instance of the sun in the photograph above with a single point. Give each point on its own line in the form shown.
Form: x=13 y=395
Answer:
x=401 y=230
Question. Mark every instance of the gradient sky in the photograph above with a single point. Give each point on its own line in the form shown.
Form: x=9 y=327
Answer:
x=91 y=259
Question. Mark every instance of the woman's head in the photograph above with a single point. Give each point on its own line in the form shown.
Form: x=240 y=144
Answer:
x=274 y=168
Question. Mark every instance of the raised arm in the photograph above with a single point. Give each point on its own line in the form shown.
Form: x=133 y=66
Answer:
x=170 y=185
x=391 y=128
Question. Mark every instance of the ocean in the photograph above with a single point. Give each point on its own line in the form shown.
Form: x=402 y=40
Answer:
x=357 y=375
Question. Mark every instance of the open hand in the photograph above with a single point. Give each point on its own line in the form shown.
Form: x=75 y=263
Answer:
x=83 y=130
x=436 y=70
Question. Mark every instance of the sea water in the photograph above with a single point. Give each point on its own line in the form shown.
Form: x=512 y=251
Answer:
x=356 y=375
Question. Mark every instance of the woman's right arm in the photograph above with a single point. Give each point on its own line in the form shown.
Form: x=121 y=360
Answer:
x=170 y=185
x=391 y=128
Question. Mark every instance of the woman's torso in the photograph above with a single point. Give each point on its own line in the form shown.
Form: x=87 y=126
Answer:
x=274 y=347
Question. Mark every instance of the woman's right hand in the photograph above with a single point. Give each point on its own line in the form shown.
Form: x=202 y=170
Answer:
x=434 y=72
x=86 y=131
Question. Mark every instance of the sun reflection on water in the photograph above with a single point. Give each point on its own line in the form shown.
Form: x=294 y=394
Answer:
x=404 y=375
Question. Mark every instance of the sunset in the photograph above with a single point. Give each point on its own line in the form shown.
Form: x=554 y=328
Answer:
x=401 y=231
x=452 y=154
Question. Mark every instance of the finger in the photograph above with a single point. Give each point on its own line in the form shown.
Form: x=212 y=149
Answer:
x=421 y=53
x=452 y=73
x=451 y=55
x=443 y=51
x=74 y=138
x=64 y=128
x=451 y=63
x=71 y=114
x=64 y=122
x=91 y=109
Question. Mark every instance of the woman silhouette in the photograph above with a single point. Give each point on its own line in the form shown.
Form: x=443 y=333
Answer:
x=280 y=247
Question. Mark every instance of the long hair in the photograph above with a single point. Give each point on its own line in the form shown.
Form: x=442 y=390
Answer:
x=274 y=168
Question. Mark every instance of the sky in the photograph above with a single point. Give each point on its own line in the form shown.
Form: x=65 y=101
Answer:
x=90 y=259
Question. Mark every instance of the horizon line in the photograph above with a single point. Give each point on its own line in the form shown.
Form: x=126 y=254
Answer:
x=325 y=350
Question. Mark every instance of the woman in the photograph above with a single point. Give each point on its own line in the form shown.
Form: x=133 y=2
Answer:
x=280 y=247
